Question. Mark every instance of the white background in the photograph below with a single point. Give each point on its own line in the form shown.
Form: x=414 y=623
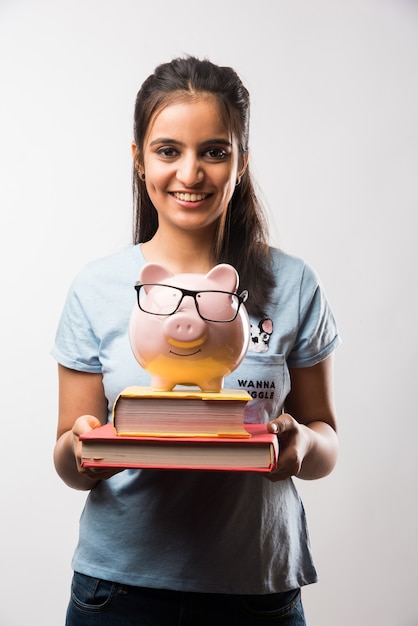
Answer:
x=334 y=87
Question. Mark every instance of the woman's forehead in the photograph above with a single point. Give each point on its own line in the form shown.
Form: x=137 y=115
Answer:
x=201 y=109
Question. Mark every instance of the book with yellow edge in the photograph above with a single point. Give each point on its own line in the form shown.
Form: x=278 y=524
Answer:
x=189 y=412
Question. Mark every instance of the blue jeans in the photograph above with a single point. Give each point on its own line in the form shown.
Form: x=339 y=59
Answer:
x=96 y=602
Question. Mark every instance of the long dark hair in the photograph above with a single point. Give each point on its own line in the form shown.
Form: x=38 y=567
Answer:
x=241 y=238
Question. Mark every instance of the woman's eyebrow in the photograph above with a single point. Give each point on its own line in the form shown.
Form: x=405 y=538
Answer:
x=208 y=142
x=217 y=140
x=160 y=140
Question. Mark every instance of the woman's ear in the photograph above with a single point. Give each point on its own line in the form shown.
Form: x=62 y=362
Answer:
x=244 y=164
x=243 y=167
x=137 y=160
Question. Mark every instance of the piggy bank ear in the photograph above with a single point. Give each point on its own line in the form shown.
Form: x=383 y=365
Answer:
x=154 y=273
x=225 y=276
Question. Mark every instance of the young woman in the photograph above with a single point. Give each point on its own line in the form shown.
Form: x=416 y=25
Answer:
x=173 y=547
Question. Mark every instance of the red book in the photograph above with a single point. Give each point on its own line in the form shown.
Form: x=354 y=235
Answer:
x=103 y=447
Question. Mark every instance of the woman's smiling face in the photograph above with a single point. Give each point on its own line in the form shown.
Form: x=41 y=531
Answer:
x=191 y=163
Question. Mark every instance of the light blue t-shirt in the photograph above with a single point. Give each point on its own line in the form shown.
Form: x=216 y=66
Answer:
x=215 y=532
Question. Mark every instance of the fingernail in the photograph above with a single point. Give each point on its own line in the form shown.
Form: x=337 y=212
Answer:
x=274 y=427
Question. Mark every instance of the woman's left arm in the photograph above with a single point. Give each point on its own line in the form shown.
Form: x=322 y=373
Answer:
x=307 y=431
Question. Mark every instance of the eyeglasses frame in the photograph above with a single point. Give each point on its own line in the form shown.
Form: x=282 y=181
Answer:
x=242 y=297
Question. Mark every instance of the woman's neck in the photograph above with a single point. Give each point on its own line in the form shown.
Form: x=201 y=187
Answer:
x=181 y=254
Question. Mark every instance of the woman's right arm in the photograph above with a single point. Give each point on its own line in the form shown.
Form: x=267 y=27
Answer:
x=82 y=406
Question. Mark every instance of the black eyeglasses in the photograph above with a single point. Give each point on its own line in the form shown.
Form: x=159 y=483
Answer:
x=211 y=305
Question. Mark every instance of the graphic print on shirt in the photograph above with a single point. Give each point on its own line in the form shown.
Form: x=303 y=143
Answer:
x=260 y=335
x=265 y=377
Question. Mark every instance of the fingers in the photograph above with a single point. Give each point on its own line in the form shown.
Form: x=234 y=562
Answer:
x=281 y=424
x=100 y=473
x=290 y=458
x=84 y=423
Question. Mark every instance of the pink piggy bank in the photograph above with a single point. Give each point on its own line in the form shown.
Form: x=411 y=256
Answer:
x=189 y=329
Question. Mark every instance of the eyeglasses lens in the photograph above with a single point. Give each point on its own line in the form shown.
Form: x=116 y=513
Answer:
x=216 y=306
x=159 y=299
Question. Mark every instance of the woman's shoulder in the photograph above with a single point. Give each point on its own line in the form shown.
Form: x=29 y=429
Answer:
x=125 y=262
x=281 y=258
x=127 y=256
x=291 y=268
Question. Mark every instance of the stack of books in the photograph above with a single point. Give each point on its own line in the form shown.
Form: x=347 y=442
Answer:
x=181 y=429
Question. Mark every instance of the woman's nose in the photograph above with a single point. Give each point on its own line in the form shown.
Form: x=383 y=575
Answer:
x=190 y=172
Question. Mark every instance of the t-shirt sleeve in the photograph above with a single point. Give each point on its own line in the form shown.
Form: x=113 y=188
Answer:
x=76 y=345
x=317 y=335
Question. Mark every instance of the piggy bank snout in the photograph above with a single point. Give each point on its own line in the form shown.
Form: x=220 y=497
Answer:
x=185 y=327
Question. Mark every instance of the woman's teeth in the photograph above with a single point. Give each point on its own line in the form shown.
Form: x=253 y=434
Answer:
x=190 y=197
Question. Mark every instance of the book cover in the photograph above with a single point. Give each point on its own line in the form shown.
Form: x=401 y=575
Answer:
x=103 y=447
x=187 y=412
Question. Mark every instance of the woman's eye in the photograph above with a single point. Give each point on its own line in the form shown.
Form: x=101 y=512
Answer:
x=216 y=153
x=167 y=152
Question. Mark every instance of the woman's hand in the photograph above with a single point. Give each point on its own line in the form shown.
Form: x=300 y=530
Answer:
x=307 y=432
x=80 y=394
x=82 y=425
x=293 y=446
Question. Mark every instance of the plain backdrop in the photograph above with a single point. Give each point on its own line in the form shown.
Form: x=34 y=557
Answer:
x=334 y=149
